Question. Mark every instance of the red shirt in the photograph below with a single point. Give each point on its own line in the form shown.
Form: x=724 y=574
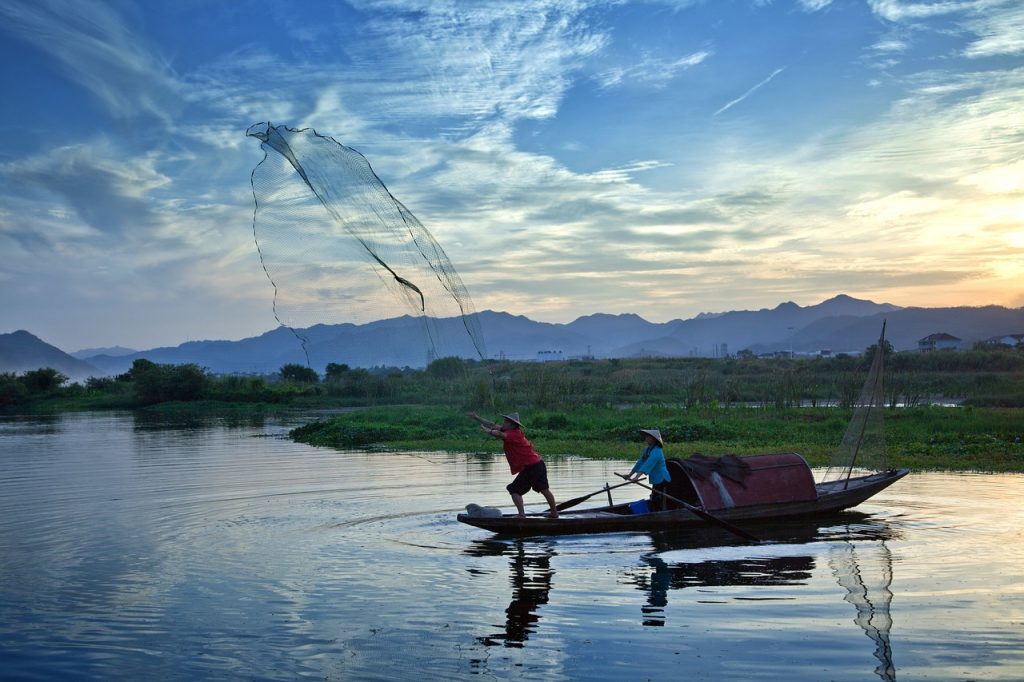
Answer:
x=518 y=451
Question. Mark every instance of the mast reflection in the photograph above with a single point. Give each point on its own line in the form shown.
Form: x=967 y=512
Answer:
x=872 y=603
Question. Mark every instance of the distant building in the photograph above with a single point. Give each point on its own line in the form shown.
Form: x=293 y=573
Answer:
x=1011 y=340
x=549 y=355
x=940 y=341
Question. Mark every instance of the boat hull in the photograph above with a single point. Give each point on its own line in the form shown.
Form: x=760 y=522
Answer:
x=832 y=497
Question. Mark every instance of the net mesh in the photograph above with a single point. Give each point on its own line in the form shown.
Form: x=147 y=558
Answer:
x=338 y=247
x=863 y=444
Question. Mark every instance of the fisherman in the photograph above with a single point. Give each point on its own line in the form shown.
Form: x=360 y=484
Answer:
x=523 y=460
x=652 y=463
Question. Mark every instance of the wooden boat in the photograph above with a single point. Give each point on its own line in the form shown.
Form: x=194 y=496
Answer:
x=739 y=490
x=760 y=498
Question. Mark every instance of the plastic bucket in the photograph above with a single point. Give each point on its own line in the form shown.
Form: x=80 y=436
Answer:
x=638 y=507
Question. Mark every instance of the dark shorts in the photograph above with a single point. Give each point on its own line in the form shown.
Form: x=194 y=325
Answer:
x=534 y=476
x=660 y=502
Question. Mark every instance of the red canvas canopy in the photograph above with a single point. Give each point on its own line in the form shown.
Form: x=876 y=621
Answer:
x=783 y=477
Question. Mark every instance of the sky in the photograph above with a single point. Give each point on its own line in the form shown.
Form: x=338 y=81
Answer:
x=572 y=157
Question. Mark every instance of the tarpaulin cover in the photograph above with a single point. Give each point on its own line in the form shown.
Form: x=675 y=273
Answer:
x=774 y=478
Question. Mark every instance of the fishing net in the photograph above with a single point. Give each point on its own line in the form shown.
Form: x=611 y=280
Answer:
x=863 y=444
x=339 y=248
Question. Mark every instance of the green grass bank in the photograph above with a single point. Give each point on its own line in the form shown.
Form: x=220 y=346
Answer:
x=919 y=438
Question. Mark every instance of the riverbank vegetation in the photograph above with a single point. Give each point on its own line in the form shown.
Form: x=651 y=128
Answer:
x=920 y=438
x=593 y=407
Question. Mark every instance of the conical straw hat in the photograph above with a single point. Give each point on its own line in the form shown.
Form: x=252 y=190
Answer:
x=513 y=416
x=656 y=433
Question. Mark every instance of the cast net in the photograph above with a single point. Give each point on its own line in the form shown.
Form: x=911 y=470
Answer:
x=863 y=444
x=339 y=248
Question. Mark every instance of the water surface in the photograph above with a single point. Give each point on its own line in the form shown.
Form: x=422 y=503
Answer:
x=144 y=547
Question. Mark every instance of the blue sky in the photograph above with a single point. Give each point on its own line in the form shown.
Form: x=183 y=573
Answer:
x=571 y=156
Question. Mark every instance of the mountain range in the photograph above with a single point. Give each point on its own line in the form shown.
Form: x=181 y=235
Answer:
x=840 y=324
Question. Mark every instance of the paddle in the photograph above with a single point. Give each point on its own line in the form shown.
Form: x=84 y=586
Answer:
x=576 y=500
x=696 y=510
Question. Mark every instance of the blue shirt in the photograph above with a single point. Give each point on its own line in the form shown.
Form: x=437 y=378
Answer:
x=652 y=463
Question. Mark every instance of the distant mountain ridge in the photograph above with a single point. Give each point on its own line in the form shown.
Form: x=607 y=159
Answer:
x=20 y=352
x=840 y=324
x=113 y=351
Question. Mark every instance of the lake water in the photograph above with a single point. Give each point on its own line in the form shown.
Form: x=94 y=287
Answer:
x=135 y=547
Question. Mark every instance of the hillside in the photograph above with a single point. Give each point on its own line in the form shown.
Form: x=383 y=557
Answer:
x=840 y=324
x=20 y=351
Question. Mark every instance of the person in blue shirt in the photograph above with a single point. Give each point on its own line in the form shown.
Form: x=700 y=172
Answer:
x=652 y=463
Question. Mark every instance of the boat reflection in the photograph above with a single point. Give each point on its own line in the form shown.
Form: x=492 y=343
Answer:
x=711 y=558
x=852 y=545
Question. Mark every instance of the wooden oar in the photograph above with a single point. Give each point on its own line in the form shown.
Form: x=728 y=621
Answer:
x=696 y=510
x=576 y=500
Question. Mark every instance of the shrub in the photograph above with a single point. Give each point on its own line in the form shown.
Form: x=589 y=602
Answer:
x=298 y=374
x=159 y=383
x=447 y=368
x=45 y=380
x=12 y=391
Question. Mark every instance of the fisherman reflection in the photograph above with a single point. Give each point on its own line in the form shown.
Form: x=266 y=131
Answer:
x=762 y=572
x=531 y=582
x=661 y=576
x=657 y=595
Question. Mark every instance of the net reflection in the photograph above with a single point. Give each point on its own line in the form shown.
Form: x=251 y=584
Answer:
x=531 y=575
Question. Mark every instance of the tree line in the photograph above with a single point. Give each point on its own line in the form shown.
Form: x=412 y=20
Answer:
x=984 y=377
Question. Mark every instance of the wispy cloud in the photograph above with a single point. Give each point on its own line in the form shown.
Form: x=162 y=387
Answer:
x=750 y=92
x=890 y=45
x=650 y=70
x=814 y=5
x=98 y=50
x=999 y=32
x=510 y=60
x=898 y=10
x=108 y=193
x=997 y=26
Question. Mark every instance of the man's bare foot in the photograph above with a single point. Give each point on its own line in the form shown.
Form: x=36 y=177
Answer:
x=553 y=514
